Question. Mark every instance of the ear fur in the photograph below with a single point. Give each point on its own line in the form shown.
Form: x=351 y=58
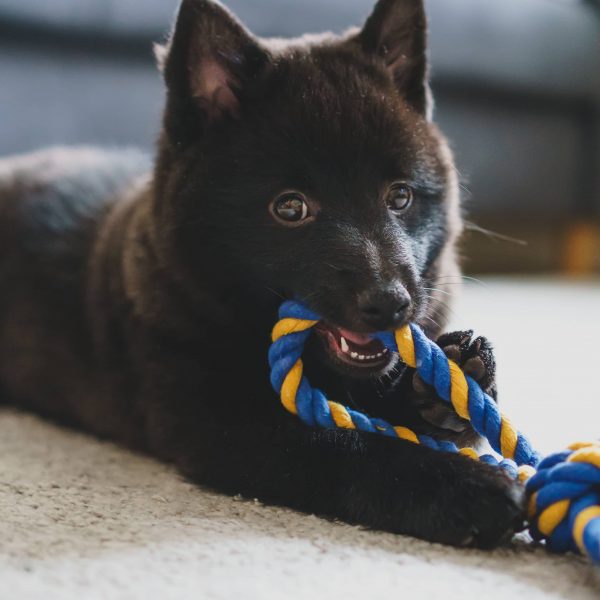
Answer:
x=396 y=32
x=161 y=52
x=207 y=63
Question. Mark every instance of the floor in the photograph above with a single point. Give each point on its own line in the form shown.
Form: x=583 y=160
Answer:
x=84 y=519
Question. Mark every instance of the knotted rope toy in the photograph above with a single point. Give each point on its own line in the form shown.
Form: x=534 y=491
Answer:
x=563 y=489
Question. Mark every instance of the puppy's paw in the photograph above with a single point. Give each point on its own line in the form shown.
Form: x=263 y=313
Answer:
x=476 y=358
x=460 y=501
x=489 y=508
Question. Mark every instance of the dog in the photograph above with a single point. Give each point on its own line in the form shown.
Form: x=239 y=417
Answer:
x=138 y=297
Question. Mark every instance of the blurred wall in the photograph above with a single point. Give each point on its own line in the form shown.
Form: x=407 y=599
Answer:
x=517 y=86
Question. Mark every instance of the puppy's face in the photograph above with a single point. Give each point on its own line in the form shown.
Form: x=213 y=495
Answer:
x=312 y=169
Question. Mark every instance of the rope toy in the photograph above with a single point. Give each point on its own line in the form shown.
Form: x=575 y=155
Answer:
x=563 y=489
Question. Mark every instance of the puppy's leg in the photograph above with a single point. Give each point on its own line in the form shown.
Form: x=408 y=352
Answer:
x=365 y=479
x=236 y=438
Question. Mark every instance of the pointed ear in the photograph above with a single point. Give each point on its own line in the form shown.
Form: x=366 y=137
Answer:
x=396 y=32
x=207 y=65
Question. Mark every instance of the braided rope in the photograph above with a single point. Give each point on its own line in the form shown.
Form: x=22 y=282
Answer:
x=563 y=489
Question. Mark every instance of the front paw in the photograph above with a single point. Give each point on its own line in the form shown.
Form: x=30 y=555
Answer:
x=476 y=358
x=486 y=508
x=479 y=506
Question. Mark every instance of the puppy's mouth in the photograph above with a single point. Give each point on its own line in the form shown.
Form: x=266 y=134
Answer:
x=357 y=352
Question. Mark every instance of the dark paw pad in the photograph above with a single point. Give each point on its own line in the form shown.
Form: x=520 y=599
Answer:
x=476 y=358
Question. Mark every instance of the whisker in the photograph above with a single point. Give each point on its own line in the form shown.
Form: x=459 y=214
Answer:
x=334 y=267
x=475 y=280
x=276 y=293
x=441 y=304
x=308 y=297
x=450 y=310
x=470 y=226
x=431 y=299
x=443 y=280
x=433 y=321
x=449 y=282
x=438 y=290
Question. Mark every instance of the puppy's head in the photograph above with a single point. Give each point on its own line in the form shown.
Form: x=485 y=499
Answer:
x=311 y=168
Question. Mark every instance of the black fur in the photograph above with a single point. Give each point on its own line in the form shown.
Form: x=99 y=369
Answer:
x=144 y=314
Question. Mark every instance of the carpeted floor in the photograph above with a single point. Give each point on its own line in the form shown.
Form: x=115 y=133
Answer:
x=84 y=519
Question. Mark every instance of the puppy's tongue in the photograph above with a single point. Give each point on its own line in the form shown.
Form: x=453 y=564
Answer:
x=360 y=339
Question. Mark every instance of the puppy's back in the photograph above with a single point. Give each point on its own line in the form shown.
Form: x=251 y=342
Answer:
x=51 y=204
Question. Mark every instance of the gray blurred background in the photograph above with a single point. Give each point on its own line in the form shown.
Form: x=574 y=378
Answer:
x=517 y=85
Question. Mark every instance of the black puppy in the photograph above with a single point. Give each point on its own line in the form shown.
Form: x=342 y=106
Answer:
x=139 y=307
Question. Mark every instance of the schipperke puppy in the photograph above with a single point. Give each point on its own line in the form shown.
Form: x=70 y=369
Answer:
x=137 y=300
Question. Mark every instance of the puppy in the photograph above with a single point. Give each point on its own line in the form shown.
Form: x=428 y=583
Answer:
x=137 y=299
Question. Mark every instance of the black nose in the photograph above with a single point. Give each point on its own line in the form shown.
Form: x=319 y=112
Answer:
x=384 y=308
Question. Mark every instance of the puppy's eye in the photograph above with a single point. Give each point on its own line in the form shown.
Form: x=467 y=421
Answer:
x=292 y=208
x=399 y=197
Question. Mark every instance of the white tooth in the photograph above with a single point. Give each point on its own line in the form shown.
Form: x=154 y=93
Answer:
x=380 y=355
x=344 y=345
x=385 y=351
x=361 y=357
x=354 y=355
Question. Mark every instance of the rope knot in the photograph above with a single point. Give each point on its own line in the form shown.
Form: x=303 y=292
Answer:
x=564 y=500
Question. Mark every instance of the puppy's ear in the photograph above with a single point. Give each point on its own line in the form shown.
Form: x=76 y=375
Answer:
x=207 y=65
x=396 y=32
